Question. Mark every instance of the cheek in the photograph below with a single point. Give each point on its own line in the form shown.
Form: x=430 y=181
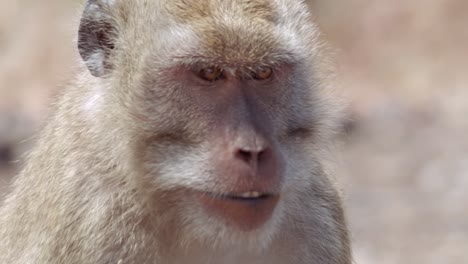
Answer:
x=163 y=125
x=170 y=166
x=299 y=167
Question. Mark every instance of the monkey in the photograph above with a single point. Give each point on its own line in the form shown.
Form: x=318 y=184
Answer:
x=195 y=132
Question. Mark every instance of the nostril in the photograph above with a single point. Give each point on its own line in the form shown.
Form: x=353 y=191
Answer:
x=261 y=155
x=251 y=156
x=245 y=155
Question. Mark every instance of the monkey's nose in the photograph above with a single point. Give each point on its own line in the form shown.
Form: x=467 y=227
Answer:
x=259 y=158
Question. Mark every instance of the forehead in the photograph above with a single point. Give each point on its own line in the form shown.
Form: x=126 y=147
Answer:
x=236 y=31
x=196 y=10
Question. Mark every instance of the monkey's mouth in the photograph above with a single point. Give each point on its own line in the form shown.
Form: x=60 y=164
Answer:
x=246 y=196
x=246 y=211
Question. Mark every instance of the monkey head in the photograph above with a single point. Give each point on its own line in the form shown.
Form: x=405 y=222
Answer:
x=223 y=114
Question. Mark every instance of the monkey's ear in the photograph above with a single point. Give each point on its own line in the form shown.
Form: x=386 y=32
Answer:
x=97 y=36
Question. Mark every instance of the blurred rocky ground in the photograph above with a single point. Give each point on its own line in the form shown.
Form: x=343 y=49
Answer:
x=36 y=52
x=403 y=64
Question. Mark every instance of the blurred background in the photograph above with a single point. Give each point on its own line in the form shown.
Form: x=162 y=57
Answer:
x=403 y=65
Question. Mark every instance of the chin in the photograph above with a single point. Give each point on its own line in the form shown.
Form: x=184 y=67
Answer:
x=217 y=228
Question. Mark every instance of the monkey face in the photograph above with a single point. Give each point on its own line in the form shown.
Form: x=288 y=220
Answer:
x=230 y=156
x=223 y=112
x=221 y=125
x=223 y=135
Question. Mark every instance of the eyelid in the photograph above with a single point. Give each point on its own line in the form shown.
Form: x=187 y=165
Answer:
x=200 y=71
x=254 y=73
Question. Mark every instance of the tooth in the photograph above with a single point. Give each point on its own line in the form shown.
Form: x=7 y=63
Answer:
x=245 y=195
x=250 y=195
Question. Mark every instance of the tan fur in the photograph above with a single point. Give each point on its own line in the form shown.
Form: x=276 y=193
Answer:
x=113 y=175
x=191 y=11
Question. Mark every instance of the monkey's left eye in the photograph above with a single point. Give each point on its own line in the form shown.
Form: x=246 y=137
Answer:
x=262 y=73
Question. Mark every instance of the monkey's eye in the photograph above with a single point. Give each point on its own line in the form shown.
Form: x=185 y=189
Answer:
x=211 y=74
x=262 y=73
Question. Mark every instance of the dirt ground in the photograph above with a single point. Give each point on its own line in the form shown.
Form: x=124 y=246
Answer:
x=403 y=66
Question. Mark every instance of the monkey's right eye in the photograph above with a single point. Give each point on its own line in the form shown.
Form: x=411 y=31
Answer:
x=211 y=74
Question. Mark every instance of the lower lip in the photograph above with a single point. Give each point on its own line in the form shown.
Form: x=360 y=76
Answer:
x=246 y=214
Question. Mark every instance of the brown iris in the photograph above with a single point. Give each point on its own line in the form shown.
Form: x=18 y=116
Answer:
x=263 y=73
x=211 y=74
